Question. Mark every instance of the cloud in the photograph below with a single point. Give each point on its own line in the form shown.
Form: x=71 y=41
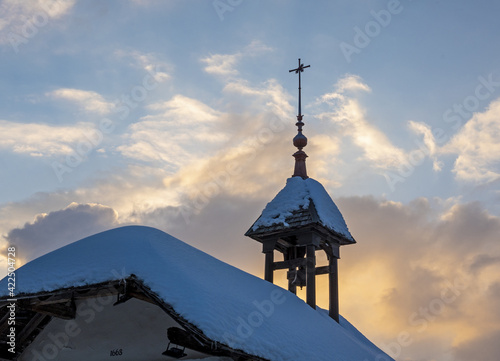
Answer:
x=221 y=64
x=269 y=96
x=49 y=231
x=429 y=142
x=484 y=348
x=410 y=273
x=182 y=131
x=206 y=152
x=176 y=153
x=89 y=101
x=184 y=110
x=254 y=128
x=347 y=112
x=482 y=261
x=224 y=64
x=20 y=17
x=203 y=142
x=256 y=48
x=351 y=82
x=149 y=62
x=134 y=189
x=218 y=228
x=42 y=140
x=477 y=147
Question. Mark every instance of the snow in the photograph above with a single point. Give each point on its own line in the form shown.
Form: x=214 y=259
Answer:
x=227 y=304
x=297 y=194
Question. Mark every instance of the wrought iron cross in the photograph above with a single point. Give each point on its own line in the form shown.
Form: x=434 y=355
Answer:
x=299 y=70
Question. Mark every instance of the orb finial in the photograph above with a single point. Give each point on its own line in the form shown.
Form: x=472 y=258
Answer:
x=300 y=140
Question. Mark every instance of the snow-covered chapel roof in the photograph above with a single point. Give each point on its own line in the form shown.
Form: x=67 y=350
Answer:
x=212 y=295
x=300 y=203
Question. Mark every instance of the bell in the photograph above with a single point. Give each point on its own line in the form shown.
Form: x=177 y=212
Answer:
x=298 y=277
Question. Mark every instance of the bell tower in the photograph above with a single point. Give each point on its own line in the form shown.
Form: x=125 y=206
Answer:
x=299 y=222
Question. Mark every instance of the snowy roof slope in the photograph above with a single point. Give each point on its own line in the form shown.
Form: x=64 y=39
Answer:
x=211 y=294
x=296 y=195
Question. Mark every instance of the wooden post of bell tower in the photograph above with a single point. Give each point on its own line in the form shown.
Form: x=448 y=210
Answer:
x=333 y=278
x=311 y=276
x=268 y=271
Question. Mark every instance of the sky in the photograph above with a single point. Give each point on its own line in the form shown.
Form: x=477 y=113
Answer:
x=180 y=115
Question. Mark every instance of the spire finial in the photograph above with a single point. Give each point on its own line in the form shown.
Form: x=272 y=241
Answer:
x=300 y=141
x=299 y=70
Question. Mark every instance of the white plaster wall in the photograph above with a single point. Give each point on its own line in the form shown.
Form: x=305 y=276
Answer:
x=137 y=328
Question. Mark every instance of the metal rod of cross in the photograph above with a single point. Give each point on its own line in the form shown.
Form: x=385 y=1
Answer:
x=299 y=70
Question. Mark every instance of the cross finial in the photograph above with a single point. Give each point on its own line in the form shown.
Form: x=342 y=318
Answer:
x=300 y=141
x=299 y=70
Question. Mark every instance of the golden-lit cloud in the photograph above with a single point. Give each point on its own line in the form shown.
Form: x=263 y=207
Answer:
x=225 y=64
x=206 y=151
x=347 y=112
x=270 y=96
x=184 y=110
x=425 y=270
x=180 y=131
x=350 y=82
x=477 y=146
x=88 y=101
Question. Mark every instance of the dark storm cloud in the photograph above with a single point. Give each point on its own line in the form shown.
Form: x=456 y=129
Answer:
x=56 y=229
x=470 y=226
x=482 y=261
x=217 y=227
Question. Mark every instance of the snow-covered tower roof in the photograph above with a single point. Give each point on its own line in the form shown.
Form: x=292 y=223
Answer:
x=299 y=221
x=301 y=203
